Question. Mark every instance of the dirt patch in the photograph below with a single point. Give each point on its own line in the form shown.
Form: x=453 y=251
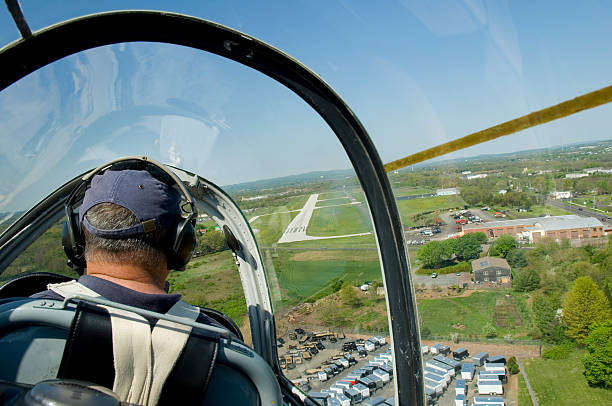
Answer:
x=512 y=391
x=441 y=293
x=458 y=326
x=507 y=350
x=332 y=255
x=505 y=313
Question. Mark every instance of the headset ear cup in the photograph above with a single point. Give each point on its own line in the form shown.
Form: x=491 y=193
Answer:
x=72 y=242
x=183 y=245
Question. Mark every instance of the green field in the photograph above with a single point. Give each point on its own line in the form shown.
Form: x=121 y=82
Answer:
x=560 y=382
x=333 y=202
x=271 y=227
x=361 y=241
x=523 y=393
x=210 y=281
x=294 y=203
x=473 y=312
x=331 y=195
x=410 y=208
x=338 y=220
x=307 y=275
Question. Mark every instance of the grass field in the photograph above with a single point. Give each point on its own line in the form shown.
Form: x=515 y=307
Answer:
x=523 y=393
x=472 y=312
x=331 y=195
x=307 y=275
x=338 y=220
x=363 y=241
x=409 y=208
x=210 y=281
x=333 y=202
x=270 y=228
x=560 y=382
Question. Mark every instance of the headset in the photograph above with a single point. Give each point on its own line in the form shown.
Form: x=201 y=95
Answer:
x=182 y=240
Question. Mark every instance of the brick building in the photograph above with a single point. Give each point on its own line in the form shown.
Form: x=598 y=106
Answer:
x=536 y=229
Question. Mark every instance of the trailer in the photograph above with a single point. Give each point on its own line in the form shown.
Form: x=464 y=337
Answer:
x=444 y=350
x=351 y=360
x=434 y=349
x=369 y=346
x=364 y=390
x=374 y=341
x=492 y=375
x=450 y=362
x=480 y=358
x=498 y=359
x=490 y=386
x=446 y=377
x=446 y=369
x=436 y=378
x=489 y=400
x=390 y=402
x=377 y=380
x=497 y=368
x=460 y=354
x=382 y=375
x=434 y=385
x=322 y=376
x=354 y=395
x=378 y=400
x=460 y=387
x=333 y=402
x=320 y=397
x=343 y=400
x=467 y=371
x=366 y=381
x=424 y=349
x=460 y=400
x=381 y=340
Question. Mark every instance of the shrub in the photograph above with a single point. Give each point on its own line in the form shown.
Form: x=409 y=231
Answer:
x=559 y=352
x=489 y=331
x=512 y=366
x=598 y=361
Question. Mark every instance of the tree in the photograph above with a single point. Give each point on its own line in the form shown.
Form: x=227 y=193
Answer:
x=513 y=366
x=516 y=258
x=598 y=361
x=544 y=309
x=526 y=280
x=584 y=305
x=211 y=242
x=435 y=253
x=349 y=296
x=502 y=246
x=467 y=247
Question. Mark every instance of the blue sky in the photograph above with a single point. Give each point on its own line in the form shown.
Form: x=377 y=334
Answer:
x=416 y=73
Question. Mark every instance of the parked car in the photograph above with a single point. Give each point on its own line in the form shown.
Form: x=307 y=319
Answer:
x=434 y=275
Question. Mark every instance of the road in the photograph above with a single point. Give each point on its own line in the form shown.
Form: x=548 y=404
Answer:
x=581 y=211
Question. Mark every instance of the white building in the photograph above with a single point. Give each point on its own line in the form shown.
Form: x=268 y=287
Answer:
x=575 y=175
x=598 y=169
x=502 y=191
x=447 y=192
x=561 y=195
x=477 y=176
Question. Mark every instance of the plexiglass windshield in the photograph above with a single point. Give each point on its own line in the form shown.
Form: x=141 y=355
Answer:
x=504 y=238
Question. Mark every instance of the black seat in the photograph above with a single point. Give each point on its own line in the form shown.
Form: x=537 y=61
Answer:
x=29 y=284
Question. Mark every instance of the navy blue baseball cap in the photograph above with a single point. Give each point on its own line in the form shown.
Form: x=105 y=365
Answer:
x=155 y=203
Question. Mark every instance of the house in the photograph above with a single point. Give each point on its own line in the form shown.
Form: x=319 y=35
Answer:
x=491 y=269
x=561 y=195
x=477 y=176
x=575 y=175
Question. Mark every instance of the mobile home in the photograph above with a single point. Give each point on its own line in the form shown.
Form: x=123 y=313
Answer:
x=447 y=376
x=460 y=387
x=434 y=349
x=364 y=390
x=378 y=400
x=460 y=400
x=424 y=349
x=489 y=400
x=354 y=395
x=438 y=387
x=490 y=386
x=441 y=367
x=436 y=378
x=467 y=371
x=444 y=350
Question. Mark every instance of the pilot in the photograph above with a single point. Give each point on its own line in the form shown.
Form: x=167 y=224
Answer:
x=126 y=264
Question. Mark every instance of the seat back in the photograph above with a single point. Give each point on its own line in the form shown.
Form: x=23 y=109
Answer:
x=33 y=334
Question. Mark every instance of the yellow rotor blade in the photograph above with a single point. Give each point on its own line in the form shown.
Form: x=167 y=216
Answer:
x=569 y=107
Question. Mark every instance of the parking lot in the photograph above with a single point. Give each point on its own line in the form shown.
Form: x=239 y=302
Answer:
x=304 y=371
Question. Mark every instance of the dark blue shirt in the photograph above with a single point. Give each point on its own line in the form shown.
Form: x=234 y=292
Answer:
x=159 y=303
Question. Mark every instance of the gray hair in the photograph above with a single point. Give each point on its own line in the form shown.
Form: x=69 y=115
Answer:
x=146 y=251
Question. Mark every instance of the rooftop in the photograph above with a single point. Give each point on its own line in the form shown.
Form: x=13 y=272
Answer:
x=549 y=223
x=485 y=262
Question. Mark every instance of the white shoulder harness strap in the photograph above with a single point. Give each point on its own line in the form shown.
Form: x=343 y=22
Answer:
x=143 y=358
